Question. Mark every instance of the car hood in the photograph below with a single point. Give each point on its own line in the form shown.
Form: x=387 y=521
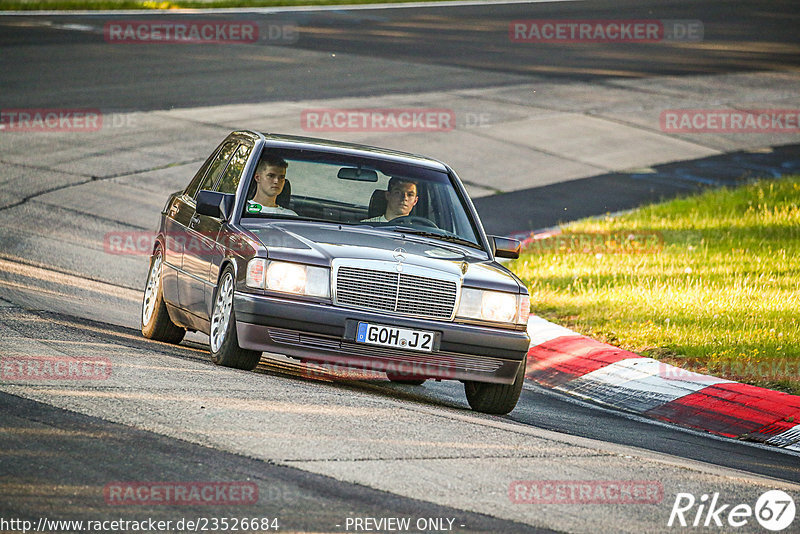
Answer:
x=319 y=244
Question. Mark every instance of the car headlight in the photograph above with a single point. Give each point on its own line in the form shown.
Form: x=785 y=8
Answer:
x=493 y=306
x=288 y=277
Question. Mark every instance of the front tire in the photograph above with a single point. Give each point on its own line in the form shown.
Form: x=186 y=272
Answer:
x=223 y=339
x=156 y=323
x=498 y=399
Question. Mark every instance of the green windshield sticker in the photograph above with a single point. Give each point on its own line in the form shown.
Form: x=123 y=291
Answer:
x=253 y=207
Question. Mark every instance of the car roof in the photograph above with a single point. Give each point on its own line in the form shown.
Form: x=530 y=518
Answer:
x=353 y=149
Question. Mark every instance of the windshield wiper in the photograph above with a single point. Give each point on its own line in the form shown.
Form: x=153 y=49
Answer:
x=444 y=237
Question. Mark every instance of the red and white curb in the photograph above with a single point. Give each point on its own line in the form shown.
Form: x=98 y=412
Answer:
x=566 y=361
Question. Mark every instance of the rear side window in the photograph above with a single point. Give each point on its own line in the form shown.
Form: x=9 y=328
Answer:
x=233 y=173
x=214 y=170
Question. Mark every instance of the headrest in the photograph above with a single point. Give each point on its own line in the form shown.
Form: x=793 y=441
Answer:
x=285 y=196
x=377 y=204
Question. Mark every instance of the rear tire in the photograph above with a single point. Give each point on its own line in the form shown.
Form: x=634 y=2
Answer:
x=498 y=399
x=224 y=341
x=156 y=323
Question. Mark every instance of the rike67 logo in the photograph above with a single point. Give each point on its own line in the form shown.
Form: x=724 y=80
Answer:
x=774 y=510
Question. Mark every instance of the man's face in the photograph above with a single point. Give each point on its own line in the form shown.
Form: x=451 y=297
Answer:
x=401 y=198
x=271 y=180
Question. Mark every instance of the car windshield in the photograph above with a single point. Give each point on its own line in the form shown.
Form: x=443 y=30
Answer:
x=359 y=191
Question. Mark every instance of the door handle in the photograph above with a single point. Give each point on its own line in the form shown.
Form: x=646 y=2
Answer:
x=194 y=220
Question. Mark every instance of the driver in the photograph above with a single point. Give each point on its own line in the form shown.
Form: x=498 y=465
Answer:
x=401 y=197
x=271 y=178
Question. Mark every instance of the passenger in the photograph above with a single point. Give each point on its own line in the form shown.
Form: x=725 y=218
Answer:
x=271 y=178
x=401 y=197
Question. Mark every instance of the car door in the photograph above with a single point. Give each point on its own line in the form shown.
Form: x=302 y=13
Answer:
x=195 y=236
x=176 y=219
x=203 y=253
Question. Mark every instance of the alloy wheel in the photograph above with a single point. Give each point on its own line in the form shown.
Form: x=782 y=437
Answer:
x=222 y=312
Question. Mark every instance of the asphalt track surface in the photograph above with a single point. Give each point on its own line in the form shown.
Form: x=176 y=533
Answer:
x=82 y=451
x=51 y=453
x=56 y=462
x=434 y=47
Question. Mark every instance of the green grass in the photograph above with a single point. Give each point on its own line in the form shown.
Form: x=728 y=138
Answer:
x=32 y=5
x=722 y=296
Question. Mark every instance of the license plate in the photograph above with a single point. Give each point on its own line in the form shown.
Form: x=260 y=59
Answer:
x=390 y=336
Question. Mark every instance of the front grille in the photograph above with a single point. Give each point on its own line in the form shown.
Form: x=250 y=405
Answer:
x=403 y=293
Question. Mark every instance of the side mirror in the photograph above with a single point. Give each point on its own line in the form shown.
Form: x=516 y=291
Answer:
x=505 y=247
x=215 y=204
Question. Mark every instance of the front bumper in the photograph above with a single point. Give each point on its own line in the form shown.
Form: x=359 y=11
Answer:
x=326 y=333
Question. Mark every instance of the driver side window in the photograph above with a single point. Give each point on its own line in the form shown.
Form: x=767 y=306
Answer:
x=233 y=173
x=214 y=170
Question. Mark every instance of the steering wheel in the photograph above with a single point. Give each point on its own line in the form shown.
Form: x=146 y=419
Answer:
x=414 y=219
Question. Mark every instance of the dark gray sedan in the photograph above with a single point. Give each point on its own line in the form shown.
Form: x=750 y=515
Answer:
x=339 y=254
